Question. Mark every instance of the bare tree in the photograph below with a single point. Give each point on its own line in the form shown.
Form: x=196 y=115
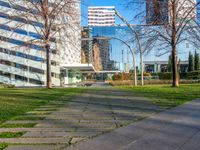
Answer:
x=171 y=20
x=53 y=15
x=144 y=42
x=143 y=39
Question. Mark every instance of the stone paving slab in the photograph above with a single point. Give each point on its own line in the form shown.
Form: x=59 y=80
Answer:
x=175 y=129
x=38 y=140
x=192 y=144
x=35 y=147
x=108 y=142
x=39 y=112
x=70 y=122
x=52 y=129
x=63 y=125
x=60 y=134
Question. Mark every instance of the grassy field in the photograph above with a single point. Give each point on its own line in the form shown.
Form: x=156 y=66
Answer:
x=166 y=96
x=14 y=102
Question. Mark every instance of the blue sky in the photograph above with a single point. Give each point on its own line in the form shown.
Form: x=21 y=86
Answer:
x=119 y=4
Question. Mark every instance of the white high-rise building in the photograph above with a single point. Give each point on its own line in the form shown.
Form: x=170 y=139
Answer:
x=101 y=16
x=23 y=63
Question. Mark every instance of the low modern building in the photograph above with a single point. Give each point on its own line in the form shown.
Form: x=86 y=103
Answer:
x=23 y=63
x=161 y=66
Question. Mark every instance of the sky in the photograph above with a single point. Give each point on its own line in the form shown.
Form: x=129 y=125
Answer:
x=119 y=4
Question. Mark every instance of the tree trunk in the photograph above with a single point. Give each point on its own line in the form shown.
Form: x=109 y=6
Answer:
x=135 y=69
x=48 y=65
x=47 y=46
x=173 y=44
x=174 y=68
x=142 y=71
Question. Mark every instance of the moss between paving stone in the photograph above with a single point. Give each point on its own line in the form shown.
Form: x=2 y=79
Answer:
x=45 y=109
x=11 y=134
x=40 y=113
x=18 y=125
x=3 y=146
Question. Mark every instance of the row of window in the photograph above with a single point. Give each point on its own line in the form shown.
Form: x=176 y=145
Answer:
x=23 y=32
x=17 y=7
x=101 y=22
x=20 y=31
x=26 y=56
x=100 y=16
x=21 y=66
x=26 y=68
x=101 y=19
x=21 y=78
x=22 y=43
x=98 y=9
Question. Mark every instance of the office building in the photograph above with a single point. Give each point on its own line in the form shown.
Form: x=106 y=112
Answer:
x=101 y=16
x=23 y=63
x=159 y=12
x=96 y=51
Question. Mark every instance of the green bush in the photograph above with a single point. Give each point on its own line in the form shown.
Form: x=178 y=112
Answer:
x=183 y=75
x=151 y=82
x=3 y=146
x=165 y=76
x=194 y=75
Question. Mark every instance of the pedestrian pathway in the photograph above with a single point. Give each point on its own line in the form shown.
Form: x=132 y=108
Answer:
x=175 y=129
x=85 y=117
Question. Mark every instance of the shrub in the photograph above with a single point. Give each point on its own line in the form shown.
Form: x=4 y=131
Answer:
x=117 y=77
x=121 y=83
x=183 y=75
x=194 y=75
x=165 y=76
x=123 y=76
x=151 y=82
x=146 y=74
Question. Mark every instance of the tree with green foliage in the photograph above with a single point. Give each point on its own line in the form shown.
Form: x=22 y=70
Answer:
x=191 y=62
x=169 y=66
x=196 y=61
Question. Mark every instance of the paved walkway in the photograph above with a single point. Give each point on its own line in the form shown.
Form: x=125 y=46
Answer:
x=90 y=115
x=176 y=129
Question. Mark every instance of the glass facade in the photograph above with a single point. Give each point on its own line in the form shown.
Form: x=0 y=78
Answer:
x=120 y=53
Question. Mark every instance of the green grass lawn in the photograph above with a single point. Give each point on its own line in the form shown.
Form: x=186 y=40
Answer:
x=167 y=96
x=14 y=102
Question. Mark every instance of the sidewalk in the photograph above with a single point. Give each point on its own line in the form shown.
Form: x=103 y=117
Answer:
x=175 y=129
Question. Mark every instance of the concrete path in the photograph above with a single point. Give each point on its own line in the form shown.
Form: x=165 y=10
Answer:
x=175 y=129
x=92 y=114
